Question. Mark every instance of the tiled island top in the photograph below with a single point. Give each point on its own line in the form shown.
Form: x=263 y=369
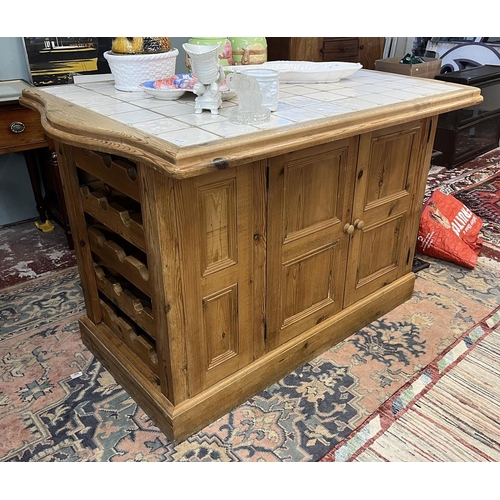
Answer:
x=328 y=110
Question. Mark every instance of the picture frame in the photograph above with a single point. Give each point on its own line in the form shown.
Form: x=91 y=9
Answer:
x=56 y=60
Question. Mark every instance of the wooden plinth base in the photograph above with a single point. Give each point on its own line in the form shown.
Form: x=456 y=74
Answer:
x=182 y=420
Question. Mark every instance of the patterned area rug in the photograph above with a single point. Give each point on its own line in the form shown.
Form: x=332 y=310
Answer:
x=448 y=413
x=27 y=253
x=484 y=200
x=477 y=185
x=58 y=403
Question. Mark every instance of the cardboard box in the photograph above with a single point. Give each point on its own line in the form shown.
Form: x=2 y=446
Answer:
x=428 y=69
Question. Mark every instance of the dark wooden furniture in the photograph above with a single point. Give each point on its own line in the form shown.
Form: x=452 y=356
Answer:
x=21 y=131
x=53 y=201
x=356 y=49
x=466 y=133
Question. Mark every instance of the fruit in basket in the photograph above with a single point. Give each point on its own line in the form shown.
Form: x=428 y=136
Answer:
x=140 y=45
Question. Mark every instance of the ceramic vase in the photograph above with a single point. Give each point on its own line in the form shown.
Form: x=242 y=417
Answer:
x=208 y=71
x=251 y=50
x=225 y=52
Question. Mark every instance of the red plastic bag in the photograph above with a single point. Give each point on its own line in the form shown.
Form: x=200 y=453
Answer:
x=449 y=230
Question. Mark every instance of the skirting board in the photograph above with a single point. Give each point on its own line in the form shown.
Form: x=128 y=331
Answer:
x=180 y=421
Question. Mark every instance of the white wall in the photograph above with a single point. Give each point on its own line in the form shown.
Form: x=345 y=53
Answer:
x=13 y=63
x=180 y=67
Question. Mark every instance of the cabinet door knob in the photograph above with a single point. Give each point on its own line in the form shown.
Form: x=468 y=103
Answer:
x=17 y=127
x=348 y=229
x=359 y=224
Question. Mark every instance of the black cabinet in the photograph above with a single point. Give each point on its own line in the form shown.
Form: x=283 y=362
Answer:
x=466 y=133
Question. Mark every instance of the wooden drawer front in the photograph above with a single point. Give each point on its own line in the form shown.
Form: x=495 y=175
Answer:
x=340 y=49
x=33 y=133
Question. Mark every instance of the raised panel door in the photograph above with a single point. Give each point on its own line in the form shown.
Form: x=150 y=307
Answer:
x=309 y=199
x=216 y=237
x=381 y=248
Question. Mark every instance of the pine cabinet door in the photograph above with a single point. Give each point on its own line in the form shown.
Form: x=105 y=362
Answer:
x=309 y=203
x=388 y=176
x=216 y=227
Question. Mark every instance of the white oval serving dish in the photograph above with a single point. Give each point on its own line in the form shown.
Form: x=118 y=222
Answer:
x=305 y=71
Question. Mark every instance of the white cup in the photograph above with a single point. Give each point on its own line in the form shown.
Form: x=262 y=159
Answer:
x=269 y=85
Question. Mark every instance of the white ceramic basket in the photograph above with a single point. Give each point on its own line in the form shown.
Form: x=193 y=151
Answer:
x=130 y=70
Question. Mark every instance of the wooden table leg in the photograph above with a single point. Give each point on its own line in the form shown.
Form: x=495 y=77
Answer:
x=31 y=159
x=44 y=171
x=62 y=214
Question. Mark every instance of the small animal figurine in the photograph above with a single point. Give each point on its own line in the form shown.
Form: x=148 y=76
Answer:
x=248 y=91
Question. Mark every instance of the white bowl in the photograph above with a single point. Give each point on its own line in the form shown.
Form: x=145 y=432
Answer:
x=169 y=88
x=165 y=94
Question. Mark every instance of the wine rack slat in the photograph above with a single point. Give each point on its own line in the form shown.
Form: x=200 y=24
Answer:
x=117 y=173
x=131 y=305
x=140 y=344
x=113 y=254
x=114 y=216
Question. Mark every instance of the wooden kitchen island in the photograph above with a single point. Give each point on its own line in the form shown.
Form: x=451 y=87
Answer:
x=216 y=258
